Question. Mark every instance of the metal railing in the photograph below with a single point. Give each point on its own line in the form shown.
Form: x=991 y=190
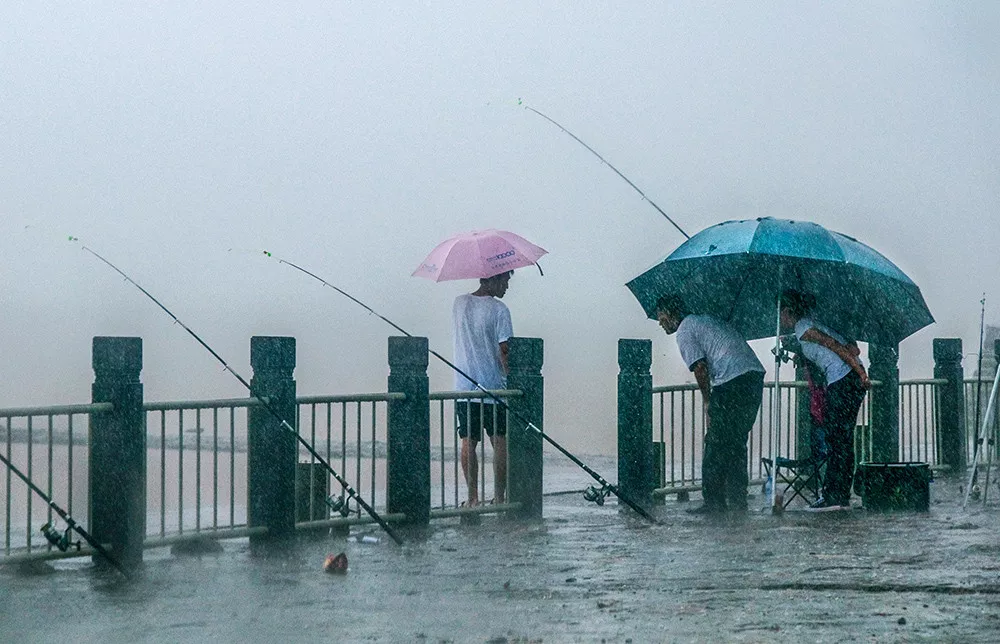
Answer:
x=447 y=479
x=48 y=445
x=350 y=433
x=918 y=420
x=679 y=426
x=196 y=465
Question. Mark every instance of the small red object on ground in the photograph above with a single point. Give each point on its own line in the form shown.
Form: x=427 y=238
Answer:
x=336 y=564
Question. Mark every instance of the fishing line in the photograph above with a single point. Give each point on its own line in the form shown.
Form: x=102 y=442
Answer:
x=605 y=161
x=62 y=541
x=264 y=402
x=606 y=487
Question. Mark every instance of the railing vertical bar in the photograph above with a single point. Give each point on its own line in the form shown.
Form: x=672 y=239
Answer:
x=662 y=453
x=441 y=433
x=496 y=483
x=928 y=392
x=457 y=455
x=232 y=466
x=908 y=451
x=684 y=438
x=673 y=473
x=31 y=441
x=357 y=452
x=163 y=472
x=932 y=440
x=788 y=422
x=329 y=446
x=312 y=463
x=180 y=471
x=48 y=477
x=482 y=452
x=197 y=470
x=374 y=455
x=6 y=543
x=215 y=468
x=343 y=443
x=69 y=465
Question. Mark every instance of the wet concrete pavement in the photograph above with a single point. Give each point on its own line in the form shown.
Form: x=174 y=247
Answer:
x=586 y=573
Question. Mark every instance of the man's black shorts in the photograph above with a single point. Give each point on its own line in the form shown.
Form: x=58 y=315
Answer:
x=479 y=415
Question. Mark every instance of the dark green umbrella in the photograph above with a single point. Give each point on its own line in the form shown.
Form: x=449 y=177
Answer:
x=737 y=269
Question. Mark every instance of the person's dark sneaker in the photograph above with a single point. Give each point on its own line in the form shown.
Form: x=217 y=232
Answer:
x=824 y=505
x=706 y=509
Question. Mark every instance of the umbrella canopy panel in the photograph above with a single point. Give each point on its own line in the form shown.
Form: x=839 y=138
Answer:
x=478 y=254
x=737 y=269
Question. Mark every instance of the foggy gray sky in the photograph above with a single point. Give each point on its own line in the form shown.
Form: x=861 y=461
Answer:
x=351 y=139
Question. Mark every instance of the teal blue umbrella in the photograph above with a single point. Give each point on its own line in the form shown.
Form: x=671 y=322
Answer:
x=737 y=269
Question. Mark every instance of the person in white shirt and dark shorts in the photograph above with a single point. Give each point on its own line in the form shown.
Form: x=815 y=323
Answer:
x=846 y=382
x=731 y=380
x=482 y=327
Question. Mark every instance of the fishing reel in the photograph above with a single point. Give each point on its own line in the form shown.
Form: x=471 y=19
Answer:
x=790 y=347
x=339 y=504
x=596 y=495
x=58 y=539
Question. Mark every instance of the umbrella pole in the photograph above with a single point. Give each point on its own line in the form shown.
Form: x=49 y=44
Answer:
x=775 y=501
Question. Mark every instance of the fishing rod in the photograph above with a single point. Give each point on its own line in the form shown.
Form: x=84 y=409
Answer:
x=592 y=494
x=989 y=422
x=979 y=367
x=62 y=540
x=266 y=404
x=979 y=384
x=605 y=161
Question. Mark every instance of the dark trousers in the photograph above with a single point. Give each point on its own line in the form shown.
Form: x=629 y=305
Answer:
x=732 y=409
x=843 y=401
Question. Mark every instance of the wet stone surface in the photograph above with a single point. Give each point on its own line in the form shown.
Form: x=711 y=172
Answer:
x=584 y=574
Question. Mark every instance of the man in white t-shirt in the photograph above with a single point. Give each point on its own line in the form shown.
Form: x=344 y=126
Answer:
x=731 y=380
x=482 y=328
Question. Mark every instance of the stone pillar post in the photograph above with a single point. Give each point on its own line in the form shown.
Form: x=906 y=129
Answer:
x=117 y=468
x=952 y=441
x=408 y=460
x=524 y=445
x=636 y=474
x=884 y=402
x=271 y=448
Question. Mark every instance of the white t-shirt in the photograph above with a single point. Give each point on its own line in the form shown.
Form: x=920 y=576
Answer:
x=833 y=367
x=703 y=337
x=480 y=324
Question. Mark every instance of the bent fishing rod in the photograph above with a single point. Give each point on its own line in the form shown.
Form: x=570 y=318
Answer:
x=605 y=161
x=62 y=541
x=266 y=404
x=598 y=495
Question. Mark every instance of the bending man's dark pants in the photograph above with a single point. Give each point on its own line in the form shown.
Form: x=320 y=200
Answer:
x=732 y=410
x=843 y=401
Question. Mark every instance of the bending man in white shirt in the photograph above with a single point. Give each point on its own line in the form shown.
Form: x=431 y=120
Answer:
x=482 y=328
x=731 y=380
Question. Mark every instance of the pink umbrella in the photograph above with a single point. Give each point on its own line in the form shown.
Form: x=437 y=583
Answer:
x=478 y=254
